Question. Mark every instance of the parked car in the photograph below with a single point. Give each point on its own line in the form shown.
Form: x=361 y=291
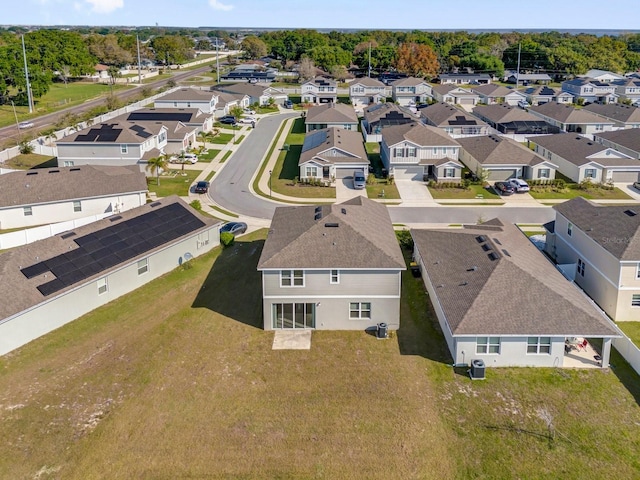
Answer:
x=186 y=158
x=228 y=119
x=359 y=180
x=519 y=185
x=202 y=187
x=25 y=124
x=523 y=104
x=503 y=188
x=248 y=120
x=288 y=104
x=636 y=185
x=249 y=111
x=234 y=227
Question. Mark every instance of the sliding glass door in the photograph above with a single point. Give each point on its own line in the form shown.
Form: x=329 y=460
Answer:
x=293 y=315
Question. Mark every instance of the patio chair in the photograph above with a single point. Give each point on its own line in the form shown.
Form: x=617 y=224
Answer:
x=583 y=345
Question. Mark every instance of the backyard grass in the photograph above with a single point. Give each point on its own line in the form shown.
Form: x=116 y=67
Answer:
x=177 y=183
x=178 y=380
x=632 y=330
x=31 y=160
x=573 y=191
x=474 y=191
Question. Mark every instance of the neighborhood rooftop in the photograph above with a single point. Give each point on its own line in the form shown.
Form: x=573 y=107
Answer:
x=418 y=134
x=495 y=150
x=576 y=149
x=333 y=145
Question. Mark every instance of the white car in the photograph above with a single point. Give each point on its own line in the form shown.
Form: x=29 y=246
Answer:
x=248 y=111
x=519 y=185
x=247 y=120
x=187 y=158
x=25 y=124
x=523 y=104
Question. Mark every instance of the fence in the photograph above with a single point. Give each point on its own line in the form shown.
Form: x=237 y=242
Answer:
x=629 y=351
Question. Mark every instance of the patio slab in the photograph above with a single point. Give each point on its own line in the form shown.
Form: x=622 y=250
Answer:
x=292 y=340
x=583 y=358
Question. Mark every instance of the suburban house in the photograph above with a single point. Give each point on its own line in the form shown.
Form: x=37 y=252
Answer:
x=544 y=94
x=456 y=95
x=628 y=89
x=331 y=267
x=510 y=120
x=453 y=120
x=529 y=78
x=570 y=119
x=332 y=153
x=580 y=158
x=599 y=245
x=365 y=91
x=319 y=90
x=382 y=115
x=590 y=90
x=503 y=158
x=251 y=73
x=50 y=195
x=622 y=116
x=331 y=115
x=602 y=75
x=464 y=78
x=188 y=97
x=227 y=101
x=410 y=91
x=626 y=141
x=490 y=94
x=258 y=94
x=476 y=277
x=60 y=278
x=189 y=117
x=116 y=142
x=415 y=151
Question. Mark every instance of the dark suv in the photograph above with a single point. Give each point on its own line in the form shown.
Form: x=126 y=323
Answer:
x=202 y=187
x=228 y=119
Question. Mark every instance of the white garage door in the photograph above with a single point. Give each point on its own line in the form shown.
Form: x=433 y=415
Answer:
x=628 y=177
x=466 y=101
x=344 y=172
x=500 y=175
x=408 y=173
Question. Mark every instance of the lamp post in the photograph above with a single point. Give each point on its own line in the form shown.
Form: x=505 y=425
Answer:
x=270 y=183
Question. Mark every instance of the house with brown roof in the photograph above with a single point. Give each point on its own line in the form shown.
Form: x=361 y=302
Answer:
x=258 y=94
x=60 y=278
x=331 y=115
x=503 y=158
x=448 y=93
x=622 y=116
x=415 y=151
x=572 y=120
x=189 y=117
x=382 y=115
x=492 y=93
x=626 y=141
x=188 y=97
x=580 y=158
x=50 y=195
x=332 y=153
x=453 y=120
x=476 y=277
x=544 y=94
x=319 y=90
x=366 y=91
x=410 y=91
x=331 y=267
x=227 y=101
x=599 y=246
x=510 y=120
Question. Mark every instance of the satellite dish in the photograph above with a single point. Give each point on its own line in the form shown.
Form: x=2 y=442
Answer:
x=188 y=256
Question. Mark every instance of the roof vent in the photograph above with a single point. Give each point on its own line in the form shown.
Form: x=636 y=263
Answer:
x=497 y=241
x=631 y=213
x=113 y=219
x=54 y=171
x=74 y=169
x=481 y=238
x=67 y=235
x=472 y=269
x=317 y=216
x=463 y=284
x=331 y=225
x=486 y=247
x=506 y=252
x=493 y=256
x=344 y=211
x=155 y=204
x=32 y=173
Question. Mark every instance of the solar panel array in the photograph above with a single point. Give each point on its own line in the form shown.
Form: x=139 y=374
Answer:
x=314 y=140
x=462 y=120
x=106 y=133
x=113 y=245
x=159 y=116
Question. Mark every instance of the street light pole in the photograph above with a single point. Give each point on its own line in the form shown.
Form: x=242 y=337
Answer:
x=270 y=171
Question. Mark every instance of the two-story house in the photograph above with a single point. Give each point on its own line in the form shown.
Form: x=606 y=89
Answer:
x=415 y=151
x=581 y=159
x=628 y=89
x=591 y=90
x=477 y=278
x=319 y=90
x=490 y=94
x=410 y=91
x=544 y=94
x=188 y=97
x=570 y=119
x=457 y=95
x=622 y=116
x=382 y=115
x=626 y=141
x=602 y=75
x=600 y=246
x=503 y=158
x=366 y=91
x=331 y=267
x=331 y=115
x=453 y=120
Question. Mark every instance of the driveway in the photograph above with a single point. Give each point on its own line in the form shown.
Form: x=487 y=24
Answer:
x=521 y=199
x=629 y=190
x=414 y=193
x=345 y=190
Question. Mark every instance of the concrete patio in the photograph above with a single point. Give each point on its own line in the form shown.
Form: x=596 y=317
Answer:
x=582 y=358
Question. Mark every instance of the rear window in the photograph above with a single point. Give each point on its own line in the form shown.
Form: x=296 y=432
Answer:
x=359 y=177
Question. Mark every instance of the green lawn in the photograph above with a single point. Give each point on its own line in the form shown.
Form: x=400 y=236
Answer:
x=381 y=189
x=210 y=176
x=178 y=380
x=177 y=183
x=222 y=138
x=223 y=211
x=474 y=191
x=208 y=156
x=632 y=330
x=239 y=139
x=225 y=156
x=573 y=191
x=31 y=160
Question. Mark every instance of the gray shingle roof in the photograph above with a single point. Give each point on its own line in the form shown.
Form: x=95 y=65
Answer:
x=418 y=133
x=367 y=82
x=628 y=138
x=504 y=113
x=318 y=142
x=117 y=131
x=496 y=150
x=189 y=94
x=375 y=112
x=481 y=296
x=332 y=113
x=616 y=111
x=46 y=185
x=607 y=225
x=575 y=149
x=363 y=239
x=445 y=115
x=407 y=82
x=493 y=90
x=567 y=114
x=251 y=89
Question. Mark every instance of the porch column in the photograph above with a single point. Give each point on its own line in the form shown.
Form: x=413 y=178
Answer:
x=606 y=352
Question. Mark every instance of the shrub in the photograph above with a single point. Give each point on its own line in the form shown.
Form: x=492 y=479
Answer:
x=431 y=184
x=26 y=148
x=390 y=180
x=404 y=239
x=371 y=179
x=196 y=205
x=227 y=239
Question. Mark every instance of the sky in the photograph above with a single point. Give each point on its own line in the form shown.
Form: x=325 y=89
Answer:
x=358 y=14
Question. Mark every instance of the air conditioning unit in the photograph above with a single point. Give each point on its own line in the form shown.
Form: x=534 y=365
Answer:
x=476 y=372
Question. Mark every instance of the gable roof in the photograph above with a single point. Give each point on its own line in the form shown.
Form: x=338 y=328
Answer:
x=445 y=115
x=496 y=150
x=567 y=114
x=378 y=111
x=593 y=73
x=531 y=77
x=117 y=130
x=46 y=268
x=183 y=115
x=188 y=94
x=602 y=222
x=322 y=81
x=493 y=90
x=483 y=296
x=576 y=149
x=627 y=138
x=226 y=97
x=408 y=82
x=331 y=113
x=46 y=185
x=356 y=234
x=367 y=82
x=541 y=90
x=616 y=111
x=417 y=133
x=503 y=113
x=319 y=144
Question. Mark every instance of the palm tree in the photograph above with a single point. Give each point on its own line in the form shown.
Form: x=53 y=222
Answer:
x=203 y=137
x=156 y=164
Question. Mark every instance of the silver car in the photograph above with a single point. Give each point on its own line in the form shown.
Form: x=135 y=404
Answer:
x=519 y=185
x=359 y=180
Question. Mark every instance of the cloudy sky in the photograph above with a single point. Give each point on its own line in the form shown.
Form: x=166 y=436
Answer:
x=369 y=14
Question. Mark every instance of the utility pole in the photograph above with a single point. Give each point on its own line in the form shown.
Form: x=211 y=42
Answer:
x=518 y=71
x=17 y=123
x=369 y=59
x=26 y=75
x=217 y=62
x=139 y=71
